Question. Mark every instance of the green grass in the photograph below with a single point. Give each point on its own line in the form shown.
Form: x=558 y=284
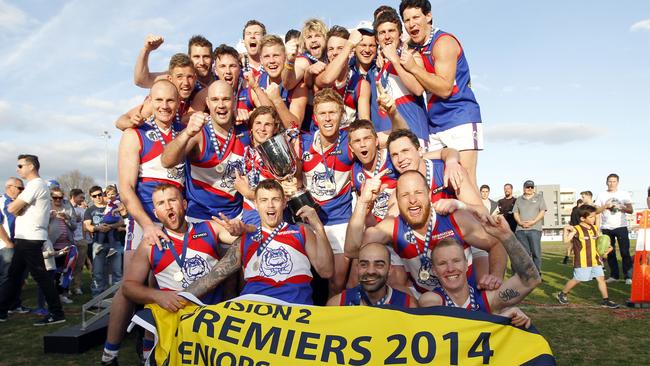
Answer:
x=580 y=334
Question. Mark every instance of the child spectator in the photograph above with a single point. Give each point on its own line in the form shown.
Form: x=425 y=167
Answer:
x=587 y=263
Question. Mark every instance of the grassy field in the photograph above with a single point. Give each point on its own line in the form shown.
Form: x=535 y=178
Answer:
x=581 y=333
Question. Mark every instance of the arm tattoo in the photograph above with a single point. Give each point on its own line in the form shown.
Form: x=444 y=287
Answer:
x=228 y=265
x=508 y=294
x=522 y=263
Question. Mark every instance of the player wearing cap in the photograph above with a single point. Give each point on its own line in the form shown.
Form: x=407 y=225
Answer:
x=529 y=210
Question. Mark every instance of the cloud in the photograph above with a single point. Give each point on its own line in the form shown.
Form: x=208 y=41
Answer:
x=115 y=107
x=556 y=133
x=642 y=25
x=12 y=18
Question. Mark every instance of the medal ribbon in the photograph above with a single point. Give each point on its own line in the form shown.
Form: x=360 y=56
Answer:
x=425 y=261
x=159 y=134
x=266 y=242
x=329 y=173
x=364 y=296
x=180 y=260
x=427 y=42
x=473 y=305
x=220 y=150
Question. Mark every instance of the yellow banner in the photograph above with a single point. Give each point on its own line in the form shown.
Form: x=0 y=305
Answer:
x=249 y=333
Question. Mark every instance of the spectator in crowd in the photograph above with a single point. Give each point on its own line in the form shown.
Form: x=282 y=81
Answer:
x=613 y=205
x=63 y=222
x=587 y=263
x=529 y=212
x=505 y=206
x=77 y=199
x=575 y=216
x=93 y=223
x=13 y=187
x=489 y=204
x=32 y=209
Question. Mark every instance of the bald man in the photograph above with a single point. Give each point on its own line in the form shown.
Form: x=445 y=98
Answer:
x=214 y=148
x=182 y=74
x=373 y=268
x=416 y=231
x=140 y=172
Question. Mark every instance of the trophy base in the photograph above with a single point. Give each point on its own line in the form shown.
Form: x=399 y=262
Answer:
x=299 y=200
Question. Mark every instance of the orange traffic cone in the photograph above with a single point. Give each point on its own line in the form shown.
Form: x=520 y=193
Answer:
x=640 y=296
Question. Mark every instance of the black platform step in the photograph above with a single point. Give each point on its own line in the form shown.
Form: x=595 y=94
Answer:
x=74 y=340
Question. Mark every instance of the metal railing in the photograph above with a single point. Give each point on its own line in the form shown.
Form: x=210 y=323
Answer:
x=98 y=306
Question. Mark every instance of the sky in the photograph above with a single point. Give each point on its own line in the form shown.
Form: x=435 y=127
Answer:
x=562 y=85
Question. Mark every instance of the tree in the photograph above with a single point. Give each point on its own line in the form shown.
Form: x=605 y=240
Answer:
x=75 y=179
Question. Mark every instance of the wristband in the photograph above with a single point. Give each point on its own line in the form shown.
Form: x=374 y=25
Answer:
x=461 y=205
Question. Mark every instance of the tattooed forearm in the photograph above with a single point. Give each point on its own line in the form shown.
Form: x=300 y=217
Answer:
x=228 y=265
x=508 y=294
x=522 y=263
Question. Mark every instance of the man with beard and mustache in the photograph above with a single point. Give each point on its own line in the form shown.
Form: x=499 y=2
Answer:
x=506 y=204
x=199 y=50
x=440 y=67
x=405 y=152
x=373 y=268
x=417 y=230
x=269 y=90
x=311 y=62
x=277 y=257
x=398 y=83
x=214 y=149
x=190 y=254
x=182 y=75
x=450 y=267
x=340 y=76
x=140 y=172
x=252 y=34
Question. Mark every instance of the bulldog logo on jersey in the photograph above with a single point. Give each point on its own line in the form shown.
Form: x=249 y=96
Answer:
x=193 y=269
x=275 y=262
x=409 y=236
x=228 y=178
x=152 y=135
x=380 y=209
x=176 y=172
x=322 y=185
x=306 y=156
x=361 y=177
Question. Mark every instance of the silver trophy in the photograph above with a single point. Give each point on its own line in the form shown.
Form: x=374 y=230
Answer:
x=280 y=158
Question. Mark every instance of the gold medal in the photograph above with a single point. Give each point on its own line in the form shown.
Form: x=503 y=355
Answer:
x=256 y=266
x=178 y=276
x=330 y=186
x=424 y=275
x=220 y=168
